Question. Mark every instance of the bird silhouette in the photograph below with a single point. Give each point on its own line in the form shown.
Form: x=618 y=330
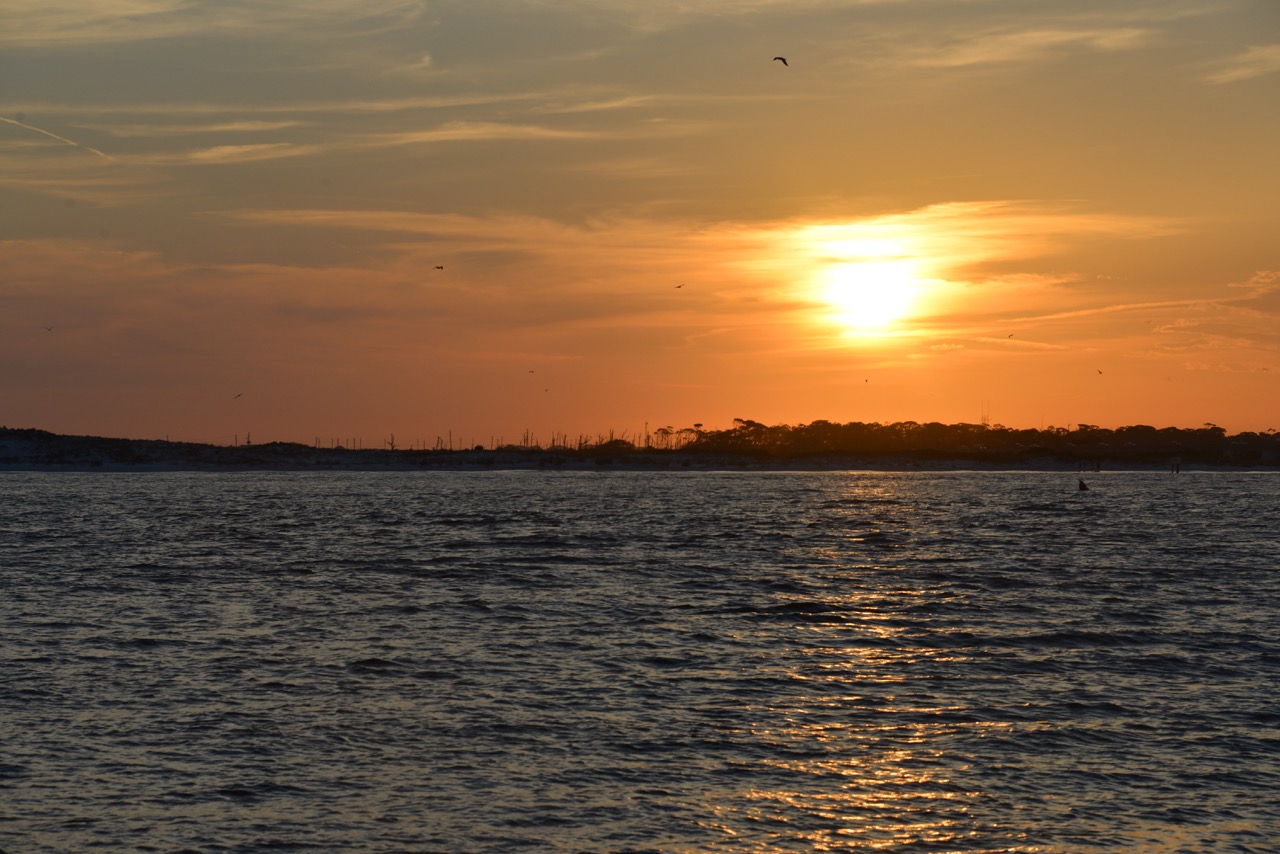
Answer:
x=439 y=266
x=241 y=394
x=48 y=329
x=681 y=285
x=781 y=59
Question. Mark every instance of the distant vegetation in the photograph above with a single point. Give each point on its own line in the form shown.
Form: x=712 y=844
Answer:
x=822 y=444
x=1085 y=443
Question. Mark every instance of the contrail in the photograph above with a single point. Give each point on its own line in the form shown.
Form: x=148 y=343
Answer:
x=52 y=135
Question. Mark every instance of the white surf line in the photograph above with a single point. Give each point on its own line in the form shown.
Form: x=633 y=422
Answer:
x=53 y=135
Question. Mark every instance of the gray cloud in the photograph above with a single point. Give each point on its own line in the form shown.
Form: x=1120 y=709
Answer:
x=1254 y=62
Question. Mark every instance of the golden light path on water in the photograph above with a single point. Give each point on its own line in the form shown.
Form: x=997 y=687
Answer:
x=891 y=755
x=888 y=748
x=866 y=749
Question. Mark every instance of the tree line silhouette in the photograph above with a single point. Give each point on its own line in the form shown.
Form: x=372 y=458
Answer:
x=933 y=440
x=823 y=442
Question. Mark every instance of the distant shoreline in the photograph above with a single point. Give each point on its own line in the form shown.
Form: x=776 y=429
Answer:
x=958 y=466
x=27 y=450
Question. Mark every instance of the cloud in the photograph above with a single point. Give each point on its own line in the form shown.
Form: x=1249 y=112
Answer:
x=533 y=272
x=500 y=228
x=54 y=136
x=1262 y=294
x=105 y=188
x=1003 y=46
x=1115 y=309
x=952 y=237
x=243 y=153
x=155 y=129
x=332 y=119
x=602 y=104
x=51 y=22
x=70 y=172
x=1254 y=62
x=744 y=276
x=79 y=22
x=471 y=131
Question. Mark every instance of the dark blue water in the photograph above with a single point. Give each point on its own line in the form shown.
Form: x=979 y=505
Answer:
x=627 y=662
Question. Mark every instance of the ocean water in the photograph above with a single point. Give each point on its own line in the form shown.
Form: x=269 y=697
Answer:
x=639 y=662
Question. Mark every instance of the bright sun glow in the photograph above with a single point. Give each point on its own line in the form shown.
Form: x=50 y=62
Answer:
x=871 y=282
x=869 y=295
x=882 y=278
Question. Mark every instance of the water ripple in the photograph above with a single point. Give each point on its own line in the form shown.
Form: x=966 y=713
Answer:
x=626 y=662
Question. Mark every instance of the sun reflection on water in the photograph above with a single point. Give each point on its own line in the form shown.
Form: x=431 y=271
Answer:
x=866 y=745
x=859 y=758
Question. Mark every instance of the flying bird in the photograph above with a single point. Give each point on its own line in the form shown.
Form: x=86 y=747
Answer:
x=681 y=285
x=781 y=59
x=241 y=394
x=48 y=329
x=439 y=266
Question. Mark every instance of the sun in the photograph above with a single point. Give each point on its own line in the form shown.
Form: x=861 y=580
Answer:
x=869 y=295
x=870 y=283
x=868 y=279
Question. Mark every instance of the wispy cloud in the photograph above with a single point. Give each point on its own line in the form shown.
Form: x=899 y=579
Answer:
x=1005 y=46
x=1114 y=309
x=1254 y=62
x=594 y=105
x=742 y=274
x=56 y=137
x=109 y=187
x=1261 y=294
x=244 y=153
x=960 y=233
x=157 y=129
x=37 y=22
x=957 y=235
x=36 y=160
x=295 y=107
x=467 y=232
x=78 y=22
x=459 y=131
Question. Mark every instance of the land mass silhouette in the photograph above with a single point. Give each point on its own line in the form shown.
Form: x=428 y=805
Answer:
x=820 y=445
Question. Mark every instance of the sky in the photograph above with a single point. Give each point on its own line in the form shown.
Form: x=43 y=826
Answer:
x=482 y=221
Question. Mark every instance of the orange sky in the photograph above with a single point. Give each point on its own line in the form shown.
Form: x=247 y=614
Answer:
x=225 y=219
